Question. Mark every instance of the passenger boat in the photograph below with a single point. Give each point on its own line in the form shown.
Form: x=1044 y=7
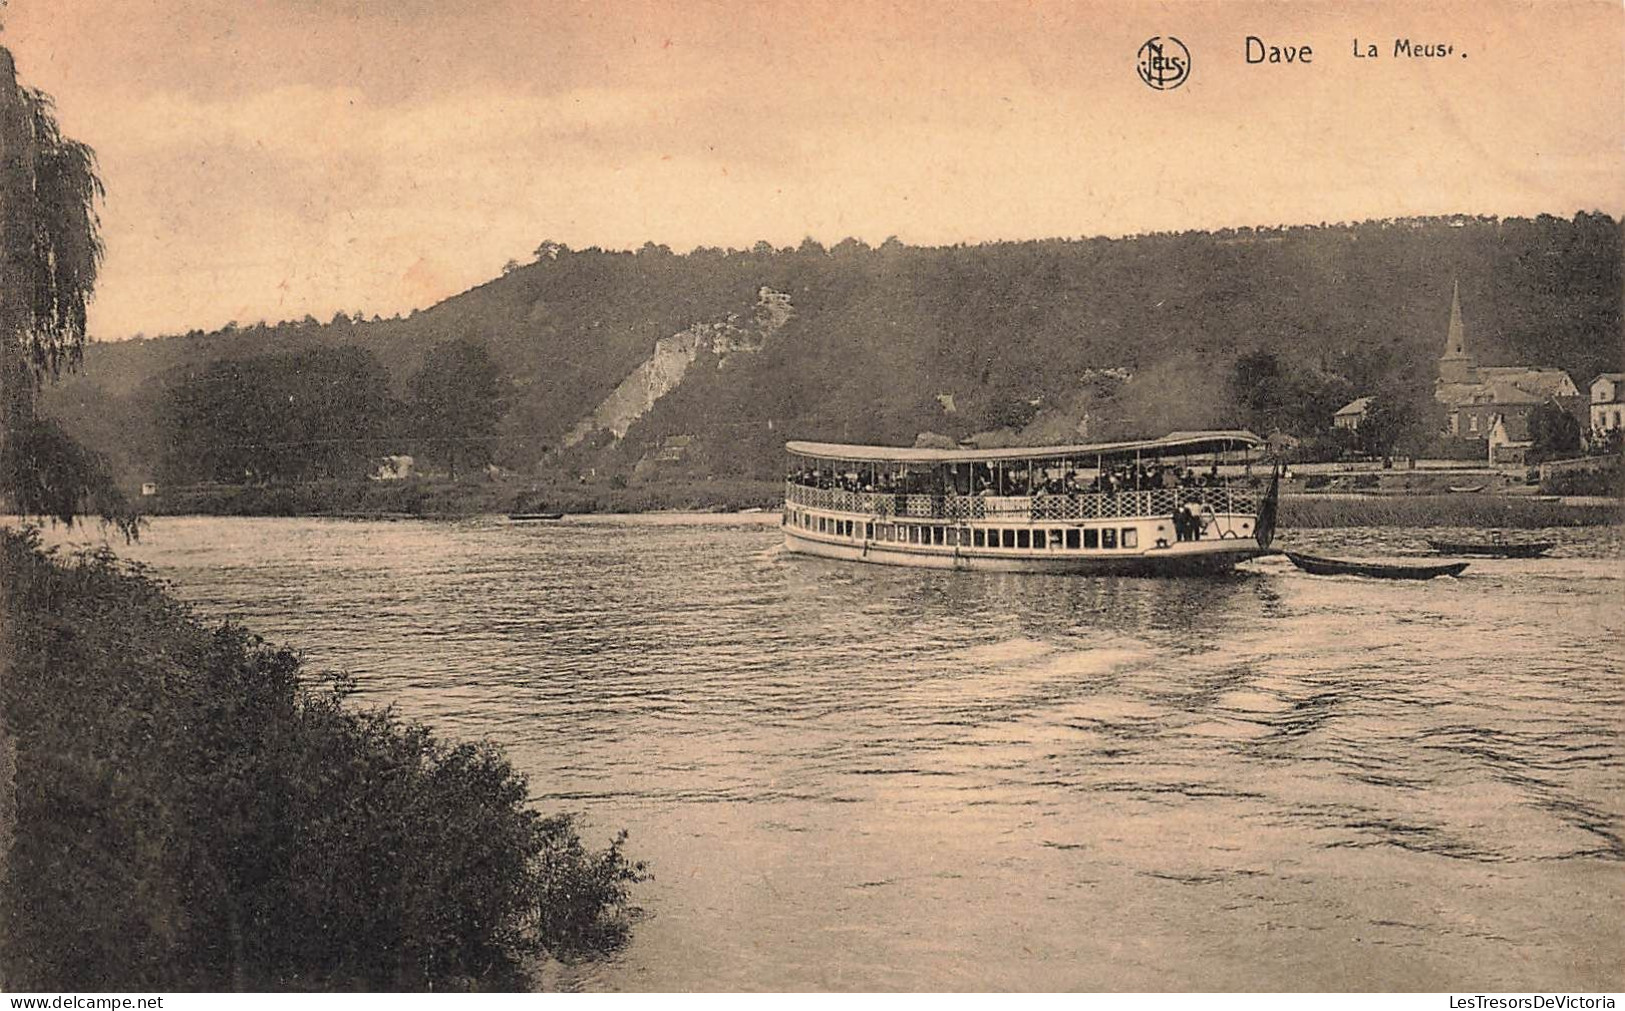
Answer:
x=1492 y=549
x=1158 y=506
x=1320 y=566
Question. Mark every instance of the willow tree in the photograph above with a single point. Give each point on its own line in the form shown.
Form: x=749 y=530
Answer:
x=50 y=251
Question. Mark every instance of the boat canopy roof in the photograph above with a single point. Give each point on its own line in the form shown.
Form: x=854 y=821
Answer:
x=1174 y=444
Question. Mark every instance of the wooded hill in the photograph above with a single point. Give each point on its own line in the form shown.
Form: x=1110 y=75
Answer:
x=1132 y=336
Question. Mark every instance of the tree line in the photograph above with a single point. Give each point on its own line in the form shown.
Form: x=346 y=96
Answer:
x=327 y=413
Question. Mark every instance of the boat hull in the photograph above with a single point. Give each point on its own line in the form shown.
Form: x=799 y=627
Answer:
x=1318 y=566
x=1180 y=559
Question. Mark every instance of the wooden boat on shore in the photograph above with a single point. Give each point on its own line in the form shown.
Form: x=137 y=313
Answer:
x=1321 y=566
x=1466 y=489
x=533 y=517
x=1492 y=549
x=1148 y=507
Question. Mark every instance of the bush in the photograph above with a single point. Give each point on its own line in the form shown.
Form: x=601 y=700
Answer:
x=195 y=812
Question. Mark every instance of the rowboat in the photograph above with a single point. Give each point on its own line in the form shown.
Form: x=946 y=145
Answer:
x=1466 y=489
x=1492 y=549
x=1319 y=566
x=533 y=517
x=1179 y=505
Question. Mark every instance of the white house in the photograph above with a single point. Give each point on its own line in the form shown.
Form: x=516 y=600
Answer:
x=1352 y=413
x=1509 y=438
x=395 y=468
x=1608 y=401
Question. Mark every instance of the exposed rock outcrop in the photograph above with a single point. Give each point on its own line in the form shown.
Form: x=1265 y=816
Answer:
x=662 y=371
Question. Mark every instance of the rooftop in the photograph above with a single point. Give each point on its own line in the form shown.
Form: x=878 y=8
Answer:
x=1173 y=444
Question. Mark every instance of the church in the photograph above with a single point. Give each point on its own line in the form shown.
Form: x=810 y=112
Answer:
x=1484 y=401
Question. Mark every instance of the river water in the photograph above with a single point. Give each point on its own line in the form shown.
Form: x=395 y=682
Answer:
x=857 y=777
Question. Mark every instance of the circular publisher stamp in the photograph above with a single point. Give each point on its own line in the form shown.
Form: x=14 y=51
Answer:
x=1164 y=63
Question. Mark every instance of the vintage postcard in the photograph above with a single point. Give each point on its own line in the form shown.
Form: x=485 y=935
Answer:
x=855 y=495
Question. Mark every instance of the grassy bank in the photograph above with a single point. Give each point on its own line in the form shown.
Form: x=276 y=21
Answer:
x=1485 y=511
x=195 y=810
x=433 y=498
x=443 y=498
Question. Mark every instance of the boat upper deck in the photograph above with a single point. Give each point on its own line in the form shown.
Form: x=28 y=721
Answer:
x=1150 y=477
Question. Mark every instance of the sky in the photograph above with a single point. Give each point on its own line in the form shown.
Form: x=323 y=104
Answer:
x=265 y=159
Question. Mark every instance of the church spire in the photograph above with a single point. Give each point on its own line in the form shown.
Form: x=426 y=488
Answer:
x=1457 y=364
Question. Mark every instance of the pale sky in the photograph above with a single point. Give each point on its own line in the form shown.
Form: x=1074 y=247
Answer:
x=272 y=158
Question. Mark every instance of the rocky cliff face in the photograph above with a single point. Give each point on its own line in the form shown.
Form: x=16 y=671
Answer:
x=662 y=371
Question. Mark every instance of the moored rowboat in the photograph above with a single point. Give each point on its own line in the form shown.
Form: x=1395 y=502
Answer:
x=1320 y=566
x=533 y=517
x=1492 y=549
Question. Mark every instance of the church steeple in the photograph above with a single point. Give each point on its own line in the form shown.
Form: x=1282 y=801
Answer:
x=1457 y=364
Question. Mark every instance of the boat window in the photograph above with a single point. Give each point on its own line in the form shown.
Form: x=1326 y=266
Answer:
x=1108 y=538
x=1131 y=537
x=1091 y=538
x=913 y=534
x=1007 y=538
x=1040 y=540
x=1072 y=539
x=936 y=535
x=979 y=538
x=820 y=524
x=1023 y=538
x=868 y=531
x=1055 y=539
x=953 y=537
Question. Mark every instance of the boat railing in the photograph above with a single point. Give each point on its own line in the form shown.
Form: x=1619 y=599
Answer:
x=1082 y=506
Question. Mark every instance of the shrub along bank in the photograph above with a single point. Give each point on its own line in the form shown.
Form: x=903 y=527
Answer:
x=194 y=810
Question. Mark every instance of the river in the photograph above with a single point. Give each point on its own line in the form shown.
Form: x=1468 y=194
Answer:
x=857 y=777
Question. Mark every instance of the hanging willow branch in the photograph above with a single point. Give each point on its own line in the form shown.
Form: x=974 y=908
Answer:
x=57 y=225
x=50 y=252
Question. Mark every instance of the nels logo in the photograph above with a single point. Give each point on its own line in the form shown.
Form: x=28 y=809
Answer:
x=1164 y=62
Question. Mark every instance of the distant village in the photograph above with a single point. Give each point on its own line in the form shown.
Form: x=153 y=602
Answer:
x=1493 y=405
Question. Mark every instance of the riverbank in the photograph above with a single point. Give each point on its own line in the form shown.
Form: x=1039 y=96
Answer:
x=194 y=810
x=436 y=498
x=1468 y=510
x=441 y=499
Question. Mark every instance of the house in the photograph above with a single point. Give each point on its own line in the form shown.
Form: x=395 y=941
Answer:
x=394 y=468
x=1608 y=401
x=1509 y=439
x=1475 y=396
x=1280 y=443
x=1475 y=414
x=1352 y=413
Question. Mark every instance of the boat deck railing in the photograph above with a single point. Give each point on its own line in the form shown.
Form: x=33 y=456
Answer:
x=1082 y=506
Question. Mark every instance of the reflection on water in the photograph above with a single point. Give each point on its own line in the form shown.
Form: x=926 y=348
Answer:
x=860 y=777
